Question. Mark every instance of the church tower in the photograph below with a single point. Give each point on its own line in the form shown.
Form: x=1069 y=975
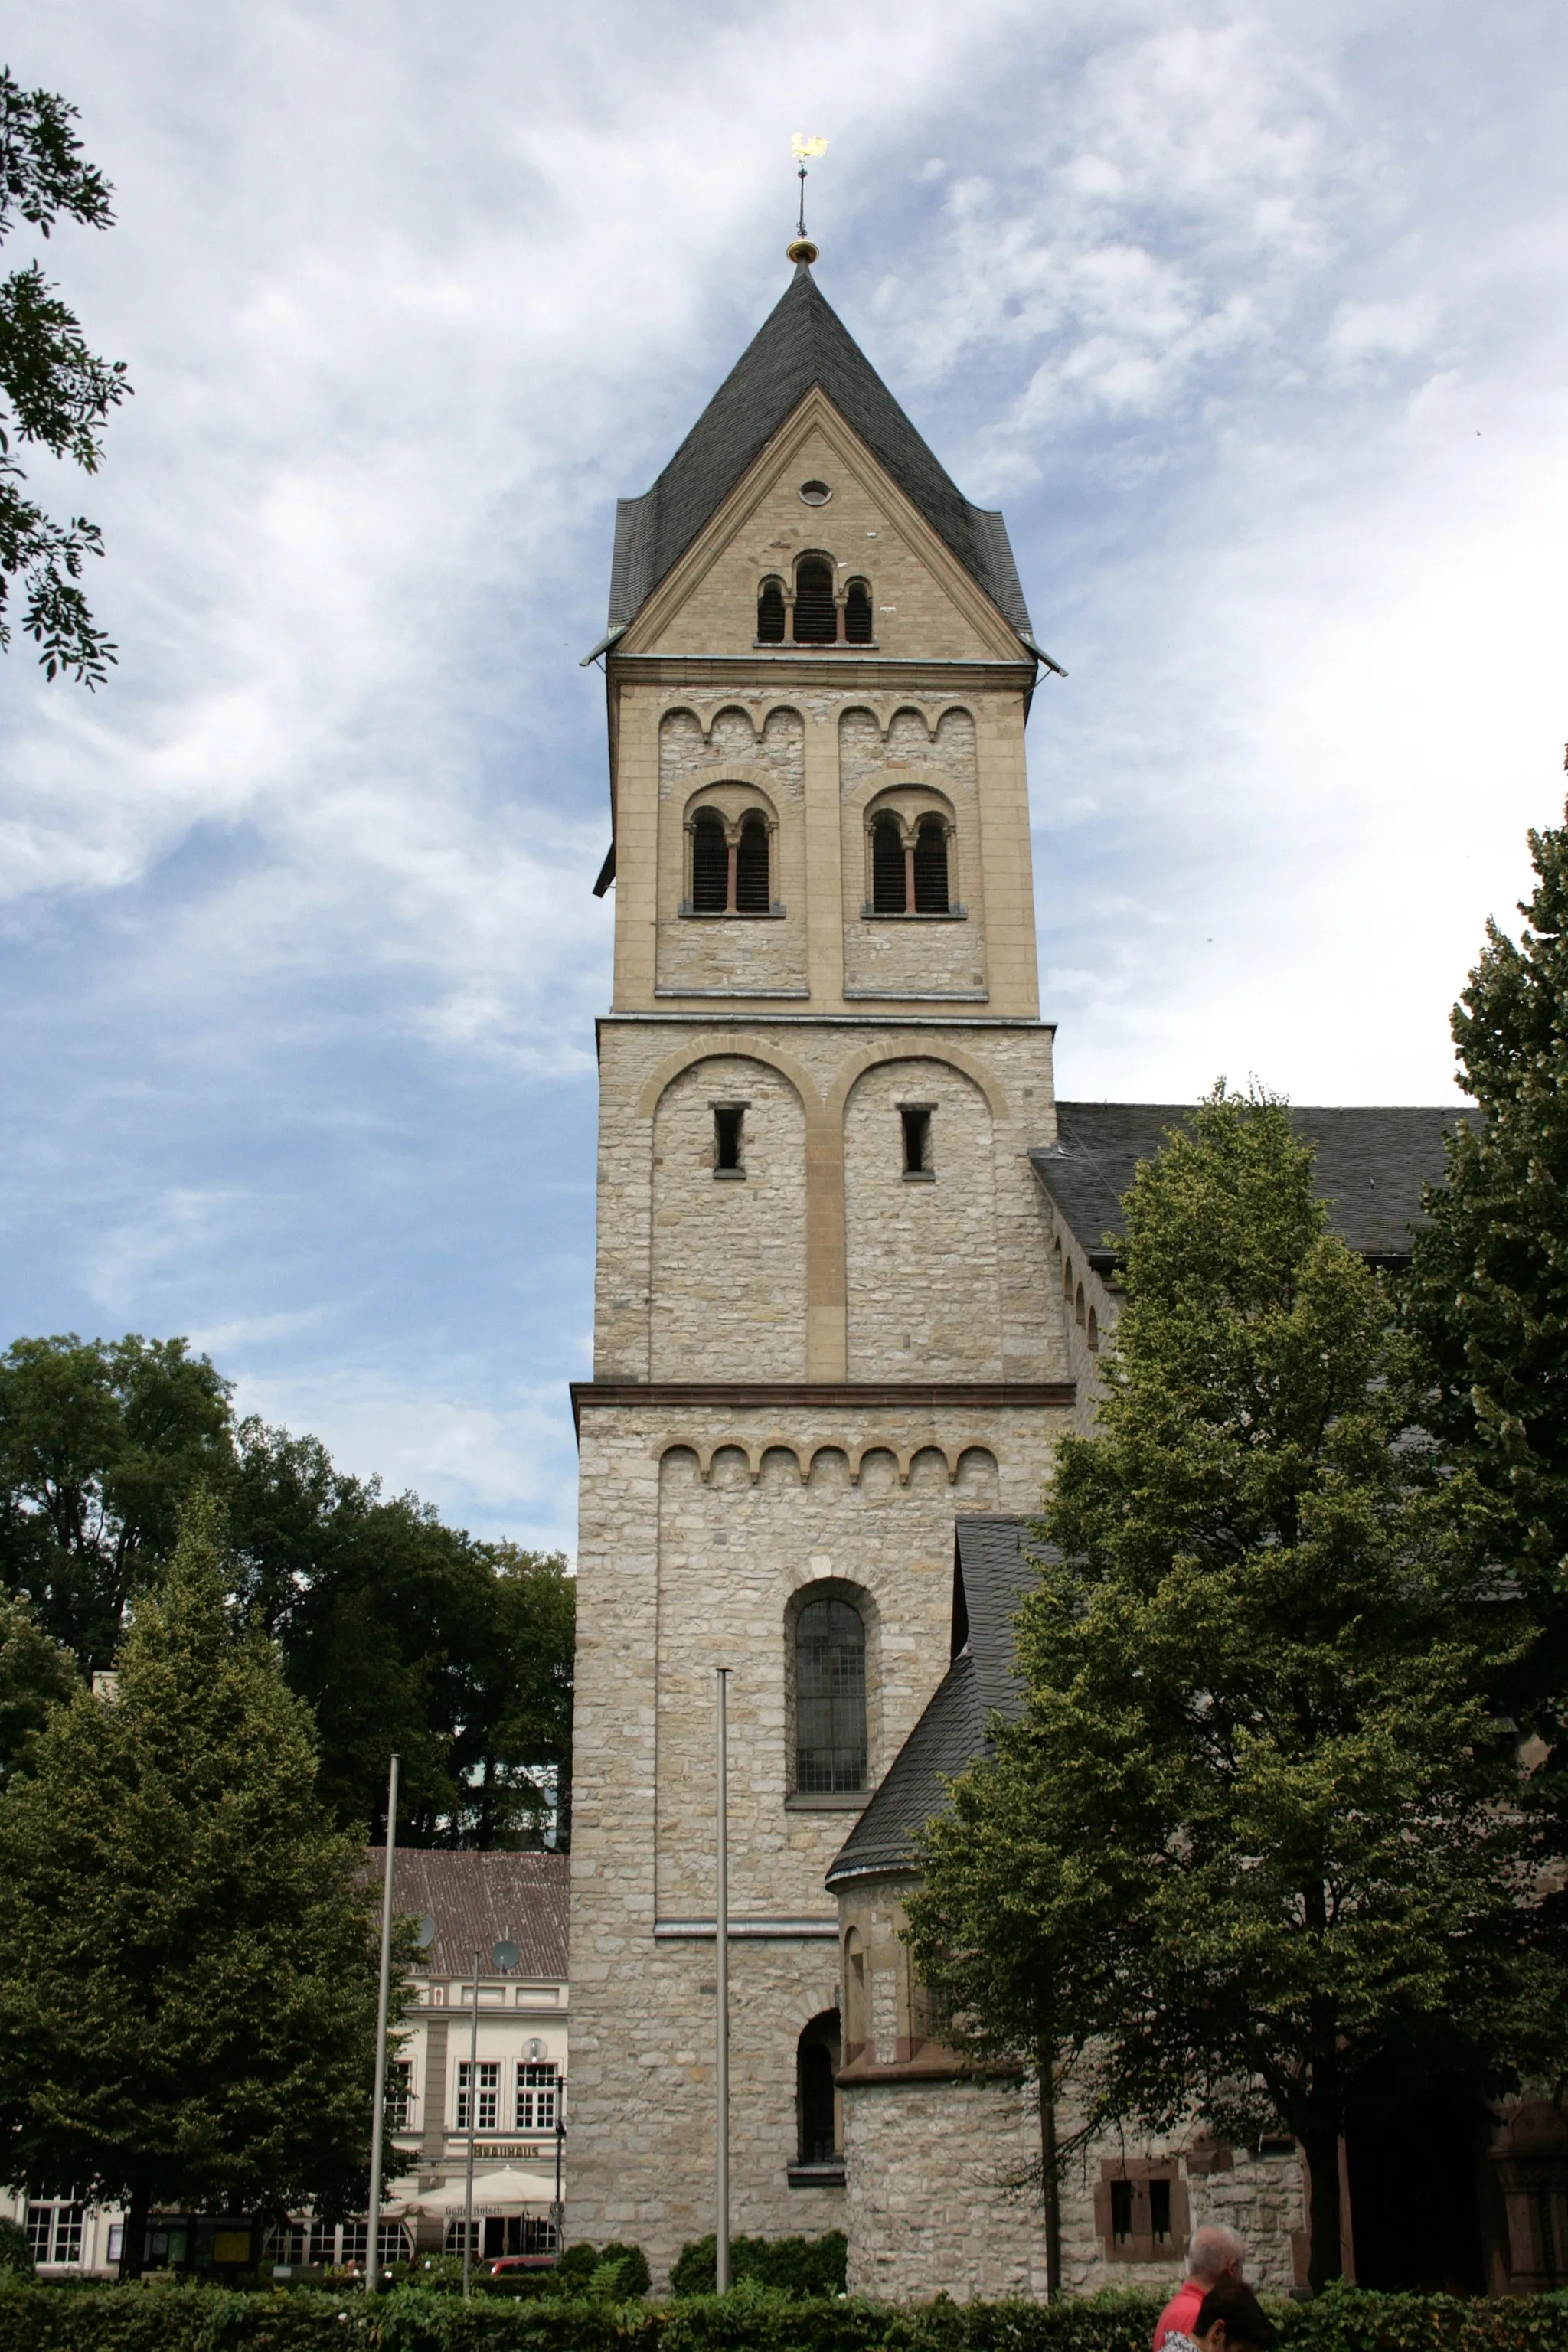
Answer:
x=826 y=1320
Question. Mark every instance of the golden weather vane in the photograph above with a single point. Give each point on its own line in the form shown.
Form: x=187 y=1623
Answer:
x=805 y=147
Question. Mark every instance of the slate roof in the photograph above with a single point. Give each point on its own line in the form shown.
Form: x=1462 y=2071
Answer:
x=801 y=342
x=990 y=1575
x=476 y=1899
x=1371 y=1166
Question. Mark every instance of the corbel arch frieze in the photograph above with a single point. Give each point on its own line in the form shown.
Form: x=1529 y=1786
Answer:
x=705 y=712
x=804 y=1452
x=883 y=709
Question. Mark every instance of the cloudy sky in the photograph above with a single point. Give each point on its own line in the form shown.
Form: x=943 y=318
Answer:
x=1253 y=318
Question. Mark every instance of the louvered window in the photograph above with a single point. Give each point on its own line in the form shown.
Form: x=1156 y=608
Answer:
x=752 y=896
x=931 y=868
x=858 y=614
x=830 y=1697
x=709 y=865
x=770 y=612
x=888 y=890
x=815 y=615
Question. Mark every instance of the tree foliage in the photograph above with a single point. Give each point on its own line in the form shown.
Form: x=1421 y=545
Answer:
x=1256 y=1776
x=1486 y=1293
x=35 y=1674
x=401 y=1632
x=54 y=391
x=187 y=1950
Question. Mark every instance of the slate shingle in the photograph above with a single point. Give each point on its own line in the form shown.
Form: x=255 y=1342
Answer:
x=801 y=342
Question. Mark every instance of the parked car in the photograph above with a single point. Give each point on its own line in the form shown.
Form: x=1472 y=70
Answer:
x=503 y=2262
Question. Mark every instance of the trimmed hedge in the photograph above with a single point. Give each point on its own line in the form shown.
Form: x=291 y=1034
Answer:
x=795 y=2265
x=751 y=2318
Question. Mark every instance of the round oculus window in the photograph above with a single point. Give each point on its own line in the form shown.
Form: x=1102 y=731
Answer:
x=815 y=494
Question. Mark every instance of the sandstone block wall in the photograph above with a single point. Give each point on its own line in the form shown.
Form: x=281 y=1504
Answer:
x=736 y=765
x=912 y=768
x=924 y=1297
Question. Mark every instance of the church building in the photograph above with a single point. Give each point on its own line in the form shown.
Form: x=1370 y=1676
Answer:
x=850 y=1288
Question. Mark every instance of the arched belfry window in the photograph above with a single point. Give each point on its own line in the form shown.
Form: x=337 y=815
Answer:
x=931 y=868
x=770 y=612
x=816 y=613
x=752 y=894
x=709 y=864
x=889 y=892
x=829 y=1698
x=858 y=629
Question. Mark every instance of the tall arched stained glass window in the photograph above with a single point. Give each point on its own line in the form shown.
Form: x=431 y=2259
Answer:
x=829 y=1698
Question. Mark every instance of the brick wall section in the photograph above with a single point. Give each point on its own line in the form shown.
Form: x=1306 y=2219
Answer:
x=729 y=1256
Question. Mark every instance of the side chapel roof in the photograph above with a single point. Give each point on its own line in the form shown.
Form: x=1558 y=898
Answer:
x=801 y=342
x=1370 y=1168
x=990 y=1574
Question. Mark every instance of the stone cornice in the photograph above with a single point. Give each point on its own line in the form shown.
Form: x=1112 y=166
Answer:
x=831 y=1396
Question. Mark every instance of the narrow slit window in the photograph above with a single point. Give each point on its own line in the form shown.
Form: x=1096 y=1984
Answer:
x=816 y=613
x=931 y=868
x=889 y=894
x=1122 y=2210
x=709 y=865
x=1160 y=2212
x=728 y=1121
x=752 y=894
x=916 y=1119
x=857 y=630
x=770 y=612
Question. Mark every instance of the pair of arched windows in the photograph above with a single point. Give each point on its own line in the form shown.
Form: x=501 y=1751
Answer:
x=910 y=876
x=819 y=618
x=731 y=875
x=1083 y=1315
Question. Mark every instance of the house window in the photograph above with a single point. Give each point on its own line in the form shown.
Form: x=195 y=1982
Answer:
x=1093 y=1332
x=770 y=612
x=729 y=1122
x=399 y=2092
x=931 y=868
x=857 y=628
x=323 y=2244
x=1141 y=2210
x=889 y=892
x=488 y=2111
x=752 y=893
x=915 y=1119
x=1078 y=1303
x=830 y=1697
x=538 y=2093
x=818 y=2137
x=816 y=613
x=709 y=864
x=461 y=2231
x=54 y=2232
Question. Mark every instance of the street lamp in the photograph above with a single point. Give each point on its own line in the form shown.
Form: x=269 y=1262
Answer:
x=504 y=1956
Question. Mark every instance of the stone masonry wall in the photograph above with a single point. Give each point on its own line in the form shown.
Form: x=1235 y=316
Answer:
x=923 y=1295
x=758 y=955
x=679 y=1572
x=888 y=956
x=728 y=1252
x=937 y=2197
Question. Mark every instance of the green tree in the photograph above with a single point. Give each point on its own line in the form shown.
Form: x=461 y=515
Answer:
x=35 y=1674
x=1255 y=1757
x=100 y=1443
x=188 y=1952
x=1487 y=1292
x=54 y=392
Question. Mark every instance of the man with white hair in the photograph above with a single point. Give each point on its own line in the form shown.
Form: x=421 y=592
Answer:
x=1213 y=2253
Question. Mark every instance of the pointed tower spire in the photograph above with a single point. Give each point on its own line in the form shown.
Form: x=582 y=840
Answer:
x=800 y=249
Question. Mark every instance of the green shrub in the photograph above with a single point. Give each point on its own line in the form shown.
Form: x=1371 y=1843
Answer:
x=632 y=2275
x=796 y=2265
x=576 y=2267
x=15 y=2253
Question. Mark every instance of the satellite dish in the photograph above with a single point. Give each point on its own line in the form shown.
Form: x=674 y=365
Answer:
x=504 y=1955
x=424 y=1934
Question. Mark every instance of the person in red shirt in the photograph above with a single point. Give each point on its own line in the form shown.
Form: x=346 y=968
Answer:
x=1213 y=2253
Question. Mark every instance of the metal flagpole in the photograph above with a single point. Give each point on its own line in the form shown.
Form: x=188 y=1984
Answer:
x=721 y=2004
x=378 y=2113
x=473 y=2112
